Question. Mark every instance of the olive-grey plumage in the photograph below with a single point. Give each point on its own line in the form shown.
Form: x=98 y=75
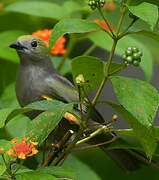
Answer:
x=37 y=77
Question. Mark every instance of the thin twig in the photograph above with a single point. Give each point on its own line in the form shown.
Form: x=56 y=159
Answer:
x=89 y=50
x=95 y=145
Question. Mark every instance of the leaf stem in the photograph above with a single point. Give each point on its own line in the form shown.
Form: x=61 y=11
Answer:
x=95 y=133
x=126 y=30
x=107 y=23
x=89 y=50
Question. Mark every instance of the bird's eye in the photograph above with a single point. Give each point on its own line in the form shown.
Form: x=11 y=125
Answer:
x=34 y=43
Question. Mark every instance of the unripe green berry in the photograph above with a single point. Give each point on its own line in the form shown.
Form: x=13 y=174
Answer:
x=123 y=57
x=135 y=49
x=93 y=2
x=93 y=7
x=136 y=56
x=128 y=52
x=136 y=63
x=126 y=62
x=90 y=3
x=129 y=48
x=139 y=60
x=129 y=59
x=101 y=4
x=140 y=53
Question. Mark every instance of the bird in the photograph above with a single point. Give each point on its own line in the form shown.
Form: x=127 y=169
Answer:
x=37 y=77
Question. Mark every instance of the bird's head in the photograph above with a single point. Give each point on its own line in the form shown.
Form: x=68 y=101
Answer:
x=30 y=47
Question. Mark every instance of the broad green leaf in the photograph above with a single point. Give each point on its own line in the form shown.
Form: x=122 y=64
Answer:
x=140 y=101
x=71 y=26
x=45 y=9
x=37 y=8
x=3 y=115
x=82 y=169
x=4 y=146
x=120 y=144
x=8 y=37
x=147 y=12
x=17 y=126
x=91 y=68
x=151 y=35
x=2 y=169
x=138 y=97
x=34 y=175
x=59 y=172
x=116 y=68
x=43 y=105
x=145 y=135
x=102 y=40
x=95 y=165
x=43 y=124
x=8 y=97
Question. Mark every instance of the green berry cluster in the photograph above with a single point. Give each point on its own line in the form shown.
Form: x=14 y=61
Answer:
x=132 y=56
x=96 y=4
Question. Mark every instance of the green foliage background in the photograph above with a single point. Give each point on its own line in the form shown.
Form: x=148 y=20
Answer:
x=19 y=17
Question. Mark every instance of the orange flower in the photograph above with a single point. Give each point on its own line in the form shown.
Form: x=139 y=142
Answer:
x=22 y=149
x=109 y=6
x=59 y=45
x=103 y=24
x=1 y=6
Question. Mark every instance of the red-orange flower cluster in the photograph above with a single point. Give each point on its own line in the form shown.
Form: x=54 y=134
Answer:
x=109 y=6
x=22 y=149
x=59 y=45
x=1 y=6
x=103 y=24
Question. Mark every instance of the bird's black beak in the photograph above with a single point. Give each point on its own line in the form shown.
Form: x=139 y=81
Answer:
x=17 y=45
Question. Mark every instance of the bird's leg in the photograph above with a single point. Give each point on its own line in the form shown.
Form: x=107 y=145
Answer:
x=58 y=148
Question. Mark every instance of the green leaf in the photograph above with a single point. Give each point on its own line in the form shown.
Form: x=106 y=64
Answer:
x=138 y=97
x=8 y=37
x=43 y=124
x=59 y=172
x=91 y=68
x=34 y=175
x=45 y=9
x=8 y=97
x=37 y=8
x=4 y=145
x=145 y=135
x=3 y=115
x=2 y=169
x=149 y=34
x=102 y=40
x=147 y=12
x=116 y=68
x=120 y=144
x=140 y=101
x=71 y=26
x=17 y=126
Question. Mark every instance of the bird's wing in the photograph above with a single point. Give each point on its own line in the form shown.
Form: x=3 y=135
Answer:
x=60 y=88
x=63 y=90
